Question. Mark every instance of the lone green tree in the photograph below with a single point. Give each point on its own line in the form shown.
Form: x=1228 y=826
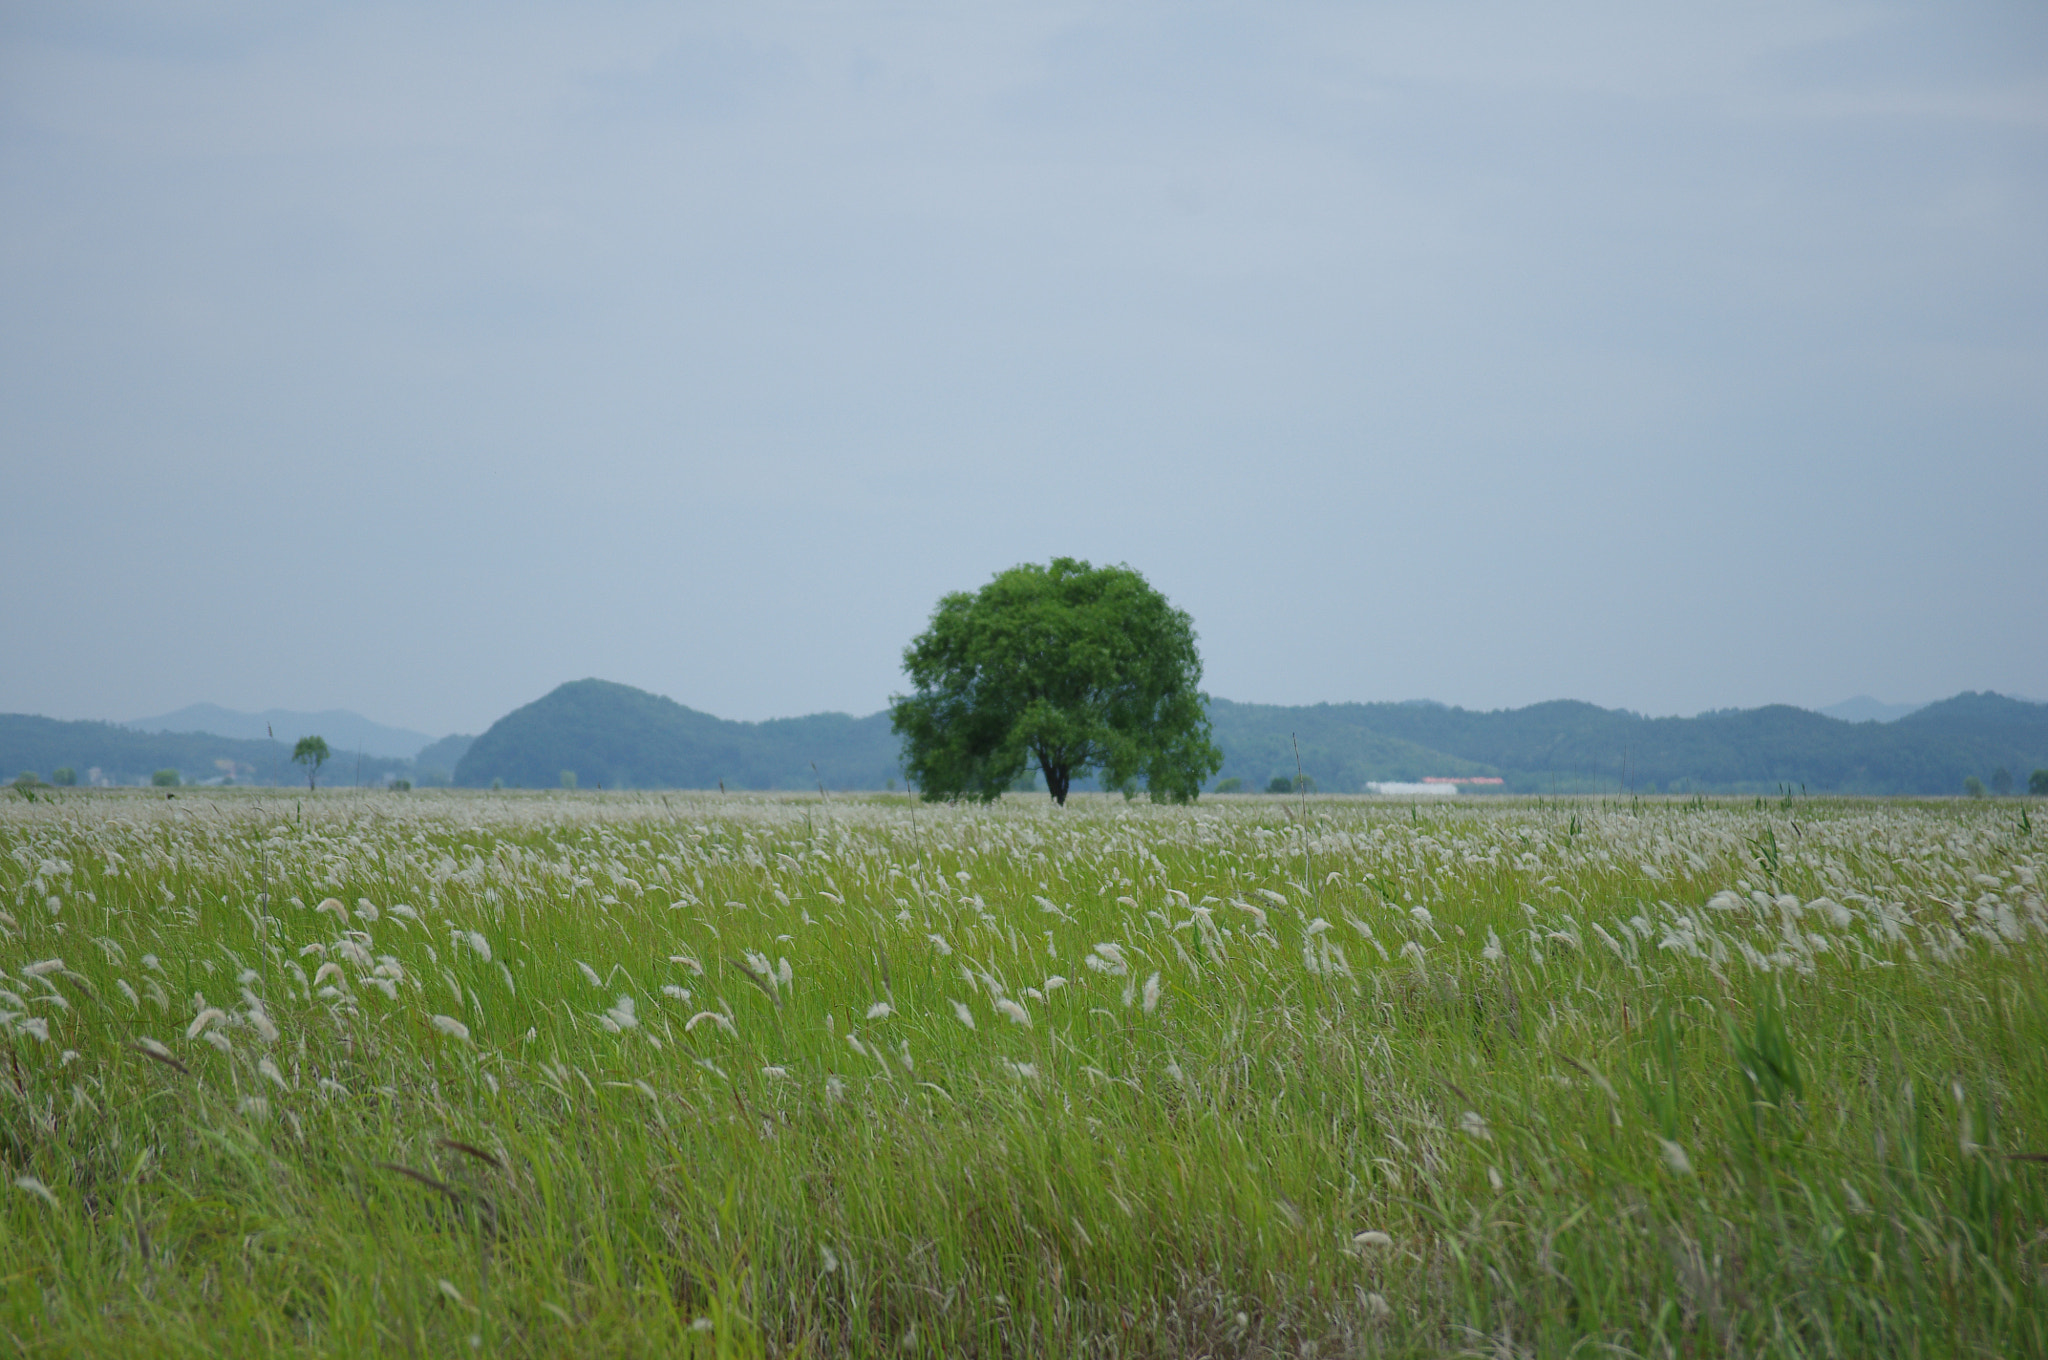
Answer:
x=312 y=753
x=1074 y=668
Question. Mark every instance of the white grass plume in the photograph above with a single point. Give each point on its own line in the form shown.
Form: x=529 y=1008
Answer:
x=38 y=1189
x=266 y=1030
x=1108 y=958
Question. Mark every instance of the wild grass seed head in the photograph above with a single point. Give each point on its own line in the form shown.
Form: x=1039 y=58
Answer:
x=38 y=1189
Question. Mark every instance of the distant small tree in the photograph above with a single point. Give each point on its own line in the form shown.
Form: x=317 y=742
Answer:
x=1973 y=787
x=1280 y=783
x=568 y=779
x=64 y=777
x=2037 y=783
x=27 y=779
x=165 y=779
x=311 y=752
x=2001 y=782
x=1230 y=785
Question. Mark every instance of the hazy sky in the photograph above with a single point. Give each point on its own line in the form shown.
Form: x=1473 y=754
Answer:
x=417 y=358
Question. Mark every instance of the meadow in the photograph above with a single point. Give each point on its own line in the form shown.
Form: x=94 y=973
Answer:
x=616 y=1074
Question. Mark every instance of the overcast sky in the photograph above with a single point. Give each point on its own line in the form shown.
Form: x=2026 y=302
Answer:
x=415 y=359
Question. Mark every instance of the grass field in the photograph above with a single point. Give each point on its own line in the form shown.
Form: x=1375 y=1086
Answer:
x=615 y=1074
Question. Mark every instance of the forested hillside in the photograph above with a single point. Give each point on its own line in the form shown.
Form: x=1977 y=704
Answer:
x=614 y=736
x=1567 y=746
x=122 y=755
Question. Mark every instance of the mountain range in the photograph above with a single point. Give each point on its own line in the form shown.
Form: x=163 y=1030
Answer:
x=342 y=729
x=592 y=732
x=363 y=752
x=1863 y=708
x=596 y=733
x=112 y=754
x=1567 y=747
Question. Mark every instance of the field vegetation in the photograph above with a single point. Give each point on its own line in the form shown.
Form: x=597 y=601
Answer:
x=608 y=1074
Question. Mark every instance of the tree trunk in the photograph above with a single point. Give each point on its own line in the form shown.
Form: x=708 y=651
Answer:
x=1057 y=777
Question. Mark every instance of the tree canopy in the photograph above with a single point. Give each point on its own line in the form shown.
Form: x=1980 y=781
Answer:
x=1073 y=668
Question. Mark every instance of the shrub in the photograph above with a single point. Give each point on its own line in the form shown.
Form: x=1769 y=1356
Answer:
x=1280 y=784
x=1973 y=787
x=2001 y=782
x=165 y=779
x=64 y=777
x=2037 y=783
x=568 y=779
x=1230 y=785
